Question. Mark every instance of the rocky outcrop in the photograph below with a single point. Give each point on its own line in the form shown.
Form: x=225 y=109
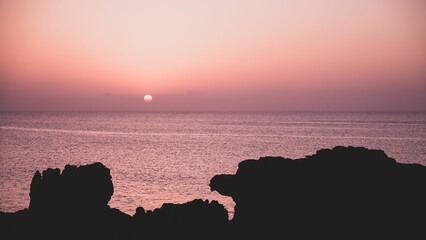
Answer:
x=188 y=220
x=73 y=204
x=75 y=190
x=344 y=192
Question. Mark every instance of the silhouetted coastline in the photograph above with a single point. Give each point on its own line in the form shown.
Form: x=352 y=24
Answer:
x=341 y=192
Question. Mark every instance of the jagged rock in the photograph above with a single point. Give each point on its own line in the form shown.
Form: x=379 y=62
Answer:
x=72 y=204
x=339 y=193
x=77 y=189
x=343 y=191
x=185 y=220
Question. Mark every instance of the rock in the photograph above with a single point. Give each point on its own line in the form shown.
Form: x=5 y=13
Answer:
x=77 y=189
x=341 y=192
x=182 y=221
x=72 y=204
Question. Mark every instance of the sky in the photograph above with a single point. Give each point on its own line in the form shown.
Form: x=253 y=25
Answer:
x=221 y=55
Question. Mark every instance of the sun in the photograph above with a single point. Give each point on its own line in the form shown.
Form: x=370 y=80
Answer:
x=147 y=98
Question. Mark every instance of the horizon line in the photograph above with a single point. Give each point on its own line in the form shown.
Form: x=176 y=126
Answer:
x=213 y=111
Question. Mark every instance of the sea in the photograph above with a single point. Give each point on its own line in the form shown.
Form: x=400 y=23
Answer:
x=170 y=157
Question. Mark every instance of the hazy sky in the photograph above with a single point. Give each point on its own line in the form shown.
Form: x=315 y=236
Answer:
x=213 y=55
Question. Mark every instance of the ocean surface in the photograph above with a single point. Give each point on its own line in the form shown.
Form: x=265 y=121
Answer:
x=168 y=157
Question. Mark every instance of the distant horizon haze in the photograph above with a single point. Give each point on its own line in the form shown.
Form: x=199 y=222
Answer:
x=220 y=55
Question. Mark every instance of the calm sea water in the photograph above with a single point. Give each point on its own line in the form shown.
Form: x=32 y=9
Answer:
x=170 y=157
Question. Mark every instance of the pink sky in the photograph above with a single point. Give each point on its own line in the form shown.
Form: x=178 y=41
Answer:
x=213 y=55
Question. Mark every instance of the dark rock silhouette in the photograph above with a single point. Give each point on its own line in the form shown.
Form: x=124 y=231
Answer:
x=71 y=205
x=74 y=205
x=343 y=192
x=188 y=220
x=76 y=189
x=339 y=193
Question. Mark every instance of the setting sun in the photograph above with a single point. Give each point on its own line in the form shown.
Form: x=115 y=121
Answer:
x=147 y=98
